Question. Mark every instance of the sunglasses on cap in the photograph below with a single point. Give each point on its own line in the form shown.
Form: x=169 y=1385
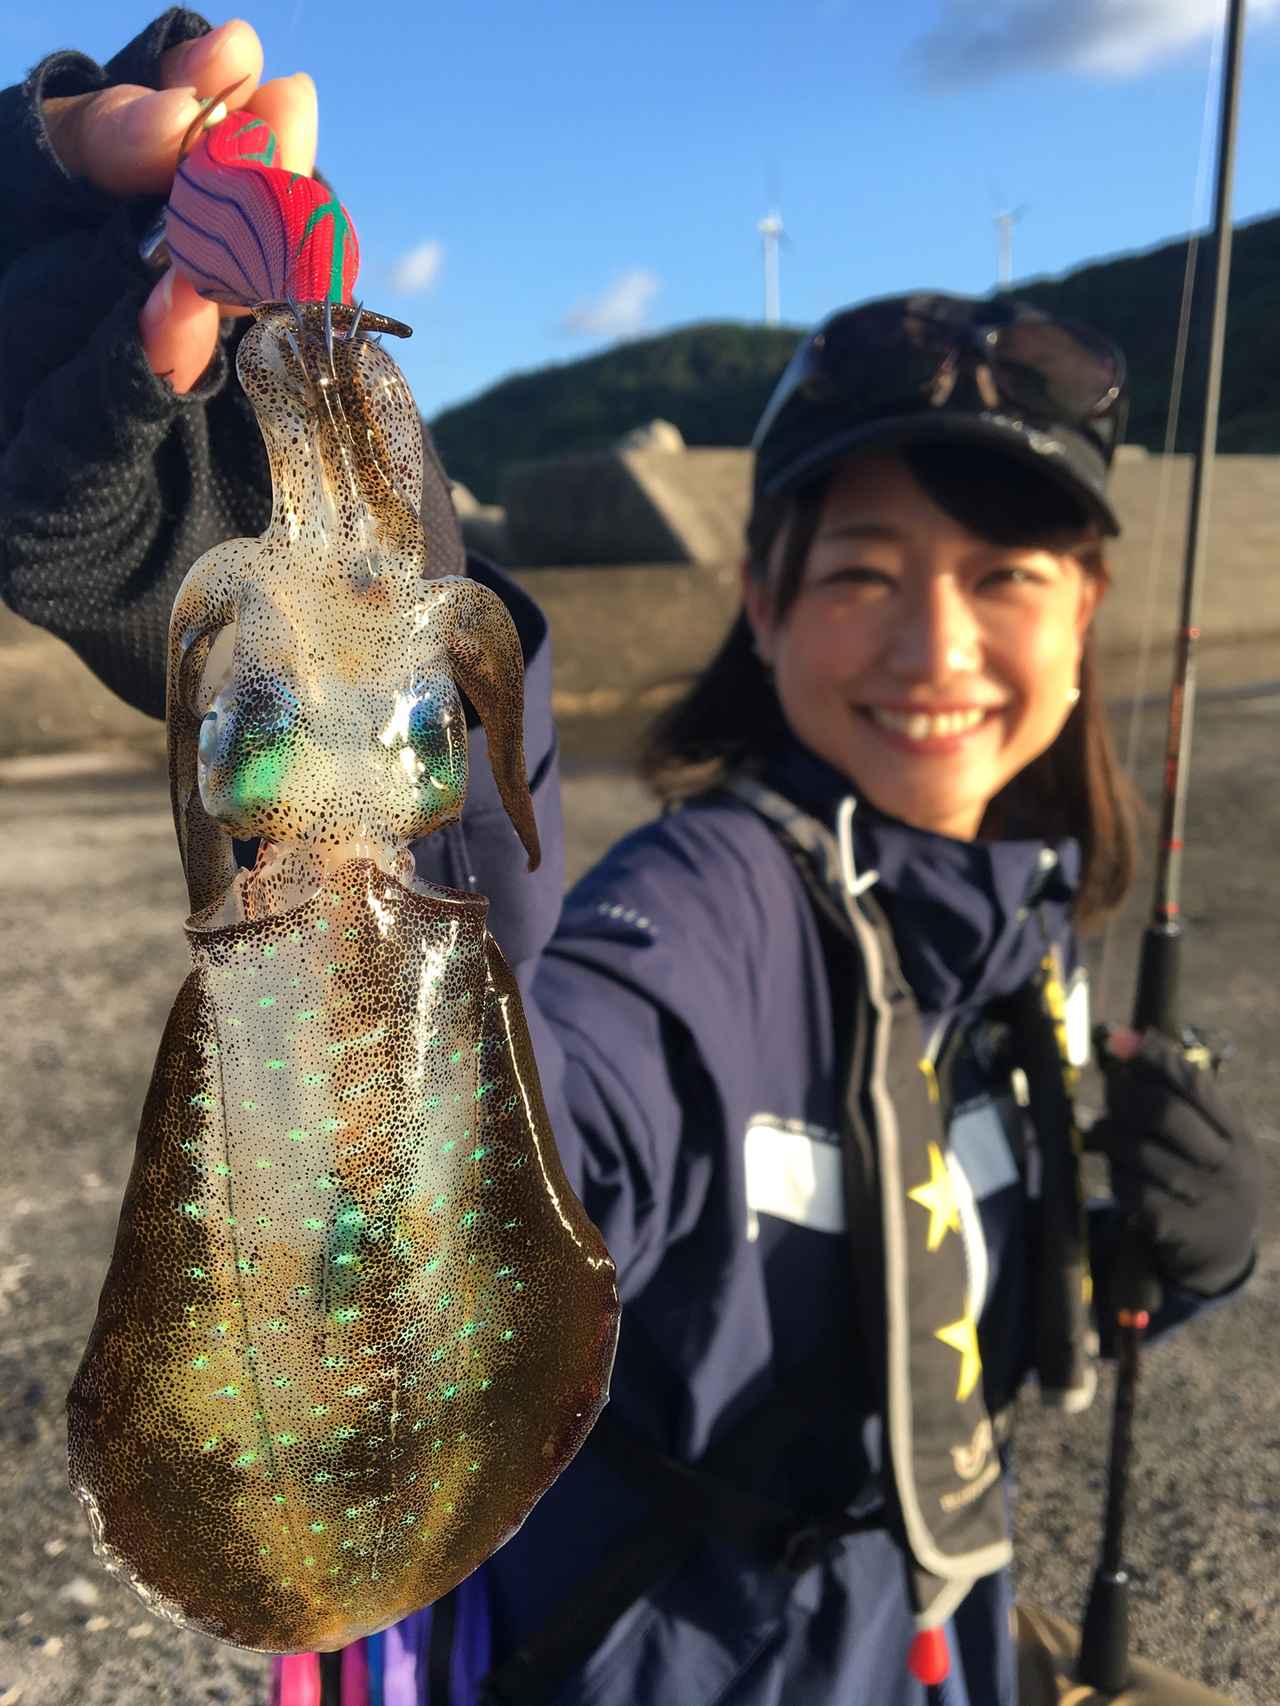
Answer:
x=944 y=356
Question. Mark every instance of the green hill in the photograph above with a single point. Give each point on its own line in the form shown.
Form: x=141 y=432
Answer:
x=713 y=379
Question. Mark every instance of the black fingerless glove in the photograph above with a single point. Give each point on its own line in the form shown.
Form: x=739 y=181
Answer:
x=1184 y=1167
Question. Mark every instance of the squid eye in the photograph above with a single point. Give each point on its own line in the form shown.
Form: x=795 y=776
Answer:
x=207 y=743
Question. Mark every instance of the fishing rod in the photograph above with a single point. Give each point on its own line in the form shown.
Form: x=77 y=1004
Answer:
x=1104 y=1641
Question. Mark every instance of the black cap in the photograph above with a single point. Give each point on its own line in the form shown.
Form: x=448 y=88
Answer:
x=862 y=381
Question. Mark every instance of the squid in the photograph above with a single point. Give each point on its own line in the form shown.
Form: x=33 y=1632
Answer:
x=355 y=1321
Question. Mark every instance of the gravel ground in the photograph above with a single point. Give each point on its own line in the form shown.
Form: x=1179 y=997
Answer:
x=91 y=904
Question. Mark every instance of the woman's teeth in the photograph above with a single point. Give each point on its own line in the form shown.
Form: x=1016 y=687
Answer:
x=917 y=726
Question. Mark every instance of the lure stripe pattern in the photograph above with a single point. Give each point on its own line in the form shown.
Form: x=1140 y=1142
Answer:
x=244 y=231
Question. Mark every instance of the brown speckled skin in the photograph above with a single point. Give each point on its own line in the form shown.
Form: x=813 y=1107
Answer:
x=355 y=1321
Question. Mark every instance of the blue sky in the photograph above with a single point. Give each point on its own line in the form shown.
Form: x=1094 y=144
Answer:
x=532 y=181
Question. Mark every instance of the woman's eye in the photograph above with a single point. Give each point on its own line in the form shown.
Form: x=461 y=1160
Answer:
x=1014 y=575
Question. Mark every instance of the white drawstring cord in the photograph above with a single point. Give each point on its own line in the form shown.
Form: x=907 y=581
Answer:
x=855 y=885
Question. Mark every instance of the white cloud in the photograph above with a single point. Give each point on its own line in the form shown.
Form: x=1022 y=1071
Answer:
x=974 y=41
x=418 y=269
x=618 y=312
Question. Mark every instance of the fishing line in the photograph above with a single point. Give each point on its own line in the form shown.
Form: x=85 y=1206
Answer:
x=1164 y=491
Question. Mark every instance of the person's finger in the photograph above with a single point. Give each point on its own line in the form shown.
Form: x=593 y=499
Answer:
x=290 y=107
x=125 y=139
x=179 y=331
x=213 y=61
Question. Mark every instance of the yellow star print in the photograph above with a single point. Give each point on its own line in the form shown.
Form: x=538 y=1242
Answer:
x=962 y=1336
x=938 y=1196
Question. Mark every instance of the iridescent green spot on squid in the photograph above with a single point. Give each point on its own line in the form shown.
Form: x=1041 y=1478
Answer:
x=246 y=1265
x=469 y=1218
x=266 y=1001
x=321 y=1476
x=437 y=1355
x=192 y=1210
x=210 y=1444
x=325 y=1182
x=200 y=1362
x=456 y=1056
x=246 y=1459
x=276 y=1065
x=448 y=1146
x=297 y=1135
x=222 y=1170
x=478 y=1154
x=262 y=1161
x=332 y=1124
x=469 y=1331
x=322 y=923
x=317 y=1527
x=343 y=1316
x=449 y=1392
x=409 y=1518
x=286 y=1439
x=508 y=1333
x=264 y=1551
x=203 y=1099
x=304 y=1014
x=313 y=1225
x=249 y=1106
x=313 y=1078
x=319 y=1409
x=282 y=1381
x=278 y=1499
x=196 y=1273
x=279 y=1326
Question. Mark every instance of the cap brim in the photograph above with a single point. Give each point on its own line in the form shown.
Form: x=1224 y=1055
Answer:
x=1026 y=444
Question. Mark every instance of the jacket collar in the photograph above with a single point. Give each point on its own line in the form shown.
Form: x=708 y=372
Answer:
x=969 y=918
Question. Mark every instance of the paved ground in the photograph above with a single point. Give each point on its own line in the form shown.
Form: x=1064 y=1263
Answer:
x=91 y=905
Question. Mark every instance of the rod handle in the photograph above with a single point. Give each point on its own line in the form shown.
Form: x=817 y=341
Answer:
x=1104 y=1639
x=1156 y=1005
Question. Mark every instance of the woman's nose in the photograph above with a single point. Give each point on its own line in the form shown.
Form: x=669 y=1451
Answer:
x=936 y=636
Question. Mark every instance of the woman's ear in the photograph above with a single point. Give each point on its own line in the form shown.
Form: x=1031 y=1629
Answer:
x=755 y=602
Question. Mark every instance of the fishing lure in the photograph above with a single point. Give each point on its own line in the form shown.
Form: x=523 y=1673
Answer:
x=355 y=1321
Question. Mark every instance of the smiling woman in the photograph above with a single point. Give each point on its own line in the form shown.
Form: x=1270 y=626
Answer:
x=921 y=619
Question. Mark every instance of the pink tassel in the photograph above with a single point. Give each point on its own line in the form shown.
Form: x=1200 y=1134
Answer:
x=297 y=1680
x=355 y=1675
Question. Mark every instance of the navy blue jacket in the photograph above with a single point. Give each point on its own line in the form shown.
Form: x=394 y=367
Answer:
x=682 y=1019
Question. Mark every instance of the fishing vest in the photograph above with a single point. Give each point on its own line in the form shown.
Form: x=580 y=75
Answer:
x=940 y=1491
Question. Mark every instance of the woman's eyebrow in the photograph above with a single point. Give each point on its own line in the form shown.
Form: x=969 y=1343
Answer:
x=862 y=530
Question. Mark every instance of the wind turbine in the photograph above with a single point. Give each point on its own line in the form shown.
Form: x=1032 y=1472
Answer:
x=1004 y=223
x=771 y=235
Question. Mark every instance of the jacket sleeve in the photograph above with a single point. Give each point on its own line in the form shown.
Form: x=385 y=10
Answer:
x=643 y=1014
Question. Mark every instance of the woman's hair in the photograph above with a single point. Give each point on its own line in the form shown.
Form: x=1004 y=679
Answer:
x=730 y=717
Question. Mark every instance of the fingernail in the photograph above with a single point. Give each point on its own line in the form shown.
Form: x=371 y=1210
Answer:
x=202 y=51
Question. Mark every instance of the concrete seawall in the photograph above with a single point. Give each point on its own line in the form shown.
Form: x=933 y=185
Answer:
x=625 y=635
